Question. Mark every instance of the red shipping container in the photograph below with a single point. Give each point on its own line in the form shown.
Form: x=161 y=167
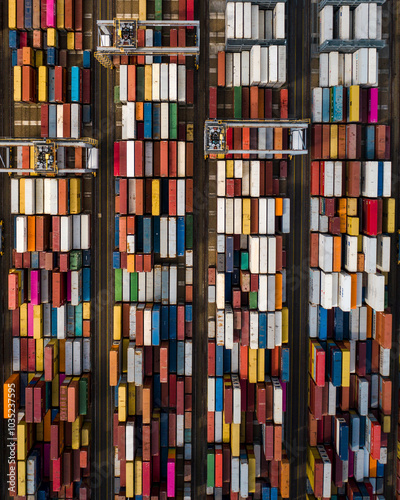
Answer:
x=284 y=95
x=122 y=158
x=44 y=120
x=78 y=40
x=353 y=179
x=314 y=185
x=380 y=142
x=370 y=217
x=139 y=160
x=67 y=120
x=56 y=234
x=221 y=69
x=86 y=87
x=213 y=103
x=69 y=16
x=60 y=84
x=353 y=141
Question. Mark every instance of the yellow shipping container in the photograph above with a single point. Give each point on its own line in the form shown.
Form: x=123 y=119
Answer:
x=39 y=355
x=148 y=82
x=226 y=431
x=359 y=243
x=345 y=366
x=189 y=132
x=17 y=83
x=85 y=433
x=351 y=206
x=39 y=58
x=354 y=113
x=42 y=84
x=38 y=321
x=32 y=159
x=125 y=344
x=389 y=205
x=130 y=263
x=86 y=310
x=122 y=402
x=260 y=365
x=51 y=37
x=353 y=226
x=76 y=433
x=138 y=475
x=71 y=40
x=22 y=196
x=334 y=142
x=285 y=325
x=21 y=478
x=132 y=399
x=117 y=321
x=55 y=390
x=130 y=480
x=60 y=15
x=235 y=440
x=246 y=214
x=12 y=14
x=74 y=195
x=385 y=423
x=155 y=196
x=252 y=469
x=142 y=17
x=342 y=215
x=253 y=366
x=22 y=439
x=229 y=169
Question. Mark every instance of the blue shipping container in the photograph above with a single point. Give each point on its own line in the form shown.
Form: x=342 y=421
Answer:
x=370 y=142
x=156 y=121
x=157 y=43
x=116 y=234
x=86 y=258
x=229 y=252
x=147 y=111
x=75 y=84
x=337 y=104
x=219 y=360
x=155 y=325
x=79 y=320
x=52 y=56
x=147 y=235
x=52 y=120
x=86 y=113
x=219 y=394
x=156 y=234
x=28 y=14
x=262 y=330
x=86 y=59
x=116 y=260
x=13 y=39
x=86 y=284
x=285 y=364
x=325 y=105
x=181 y=236
x=180 y=369
x=172 y=322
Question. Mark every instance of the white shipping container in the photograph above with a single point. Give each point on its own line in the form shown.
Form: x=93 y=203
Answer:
x=387 y=179
x=379 y=22
x=220 y=331
x=15 y=196
x=211 y=394
x=229 y=222
x=338 y=179
x=317 y=105
x=235 y=474
x=245 y=68
x=16 y=355
x=126 y=283
x=181 y=159
x=85 y=231
x=331 y=399
x=244 y=477
x=360 y=20
x=163 y=237
x=383 y=253
x=130 y=440
x=255 y=65
x=138 y=366
x=253 y=329
x=325 y=249
x=278 y=328
x=326 y=24
x=344 y=291
x=255 y=179
x=164 y=80
x=172 y=237
x=271 y=254
x=261 y=24
x=348 y=70
x=21 y=234
x=270 y=216
x=372 y=20
x=254 y=254
x=314 y=286
x=237 y=216
x=30 y=197
x=314 y=214
x=384 y=362
x=263 y=269
x=237 y=63
x=370 y=253
x=130 y=120
x=372 y=67
x=264 y=66
x=164 y=120
x=277 y=413
x=344 y=22
x=278 y=21
x=229 y=68
x=246 y=179
x=333 y=69
x=220 y=290
x=76 y=287
x=263 y=292
x=149 y=43
x=69 y=350
x=173 y=285
x=247 y=22
x=221 y=215
x=268 y=28
x=173 y=82
x=76 y=120
x=236 y=396
x=180 y=430
x=229 y=327
x=375 y=296
x=262 y=216
x=60 y=120
x=123 y=83
x=239 y=20
x=350 y=263
x=66 y=233
x=312 y=321
x=326 y=290
x=155 y=80
x=271 y=292
x=281 y=65
x=255 y=22
x=130 y=159
x=324 y=70
x=181 y=83
x=229 y=20
x=273 y=65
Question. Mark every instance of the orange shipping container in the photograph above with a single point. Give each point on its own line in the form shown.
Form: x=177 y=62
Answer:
x=28 y=56
x=380 y=138
x=86 y=328
x=278 y=291
x=61 y=355
x=147 y=399
x=139 y=111
x=246 y=141
x=221 y=69
x=164 y=158
x=11 y=395
x=63 y=196
x=73 y=401
x=278 y=207
x=69 y=15
x=284 y=475
x=131 y=82
x=254 y=103
x=360 y=262
x=278 y=141
x=114 y=365
x=28 y=84
x=31 y=233
x=122 y=234
x=337 y=254
x=342 y=142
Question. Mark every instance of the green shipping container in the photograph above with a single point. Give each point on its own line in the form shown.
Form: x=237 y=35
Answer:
x=75 y=260
x=158 y=10
x=237 y=103
x=118 y=285
x=253 y=300
x=134 y=287
x=139 y=83
x=173 y=120
x=210 y=469
x=244 y=261
x=189 y=231
x=116 y=94
x=83 y=396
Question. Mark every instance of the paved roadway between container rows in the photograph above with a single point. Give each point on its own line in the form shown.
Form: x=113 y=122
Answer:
x=297 y=272
x=102 y=287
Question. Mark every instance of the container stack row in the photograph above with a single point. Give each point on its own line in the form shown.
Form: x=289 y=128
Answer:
x=151 y=355
x=265 y=65
x=248 y=354
x=350 y=324
x=358 y=68
x=49 y=296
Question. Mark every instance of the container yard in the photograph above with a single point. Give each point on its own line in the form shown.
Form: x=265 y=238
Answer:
x=200 y=249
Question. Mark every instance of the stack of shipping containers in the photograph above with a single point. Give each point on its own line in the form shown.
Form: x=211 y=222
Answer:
x=248 y=355
x=49 y=285
x=151 y=354
x=351 y=223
